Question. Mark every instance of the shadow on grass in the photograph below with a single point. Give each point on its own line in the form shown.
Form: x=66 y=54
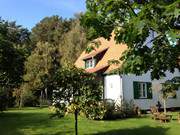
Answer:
x=146 y=130
x=36 y=122
x=64 y=133
x=126 y=118
x=24 y=122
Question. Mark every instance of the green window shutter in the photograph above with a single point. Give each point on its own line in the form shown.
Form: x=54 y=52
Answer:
x=136 y=87
x=86 y=64
x=149 y=90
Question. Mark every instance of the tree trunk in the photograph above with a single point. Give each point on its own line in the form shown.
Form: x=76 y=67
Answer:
x=46 y=94
x=7 y=96
x=20 y=103
x=21 y=100
x=41 y=98
x=76 y=121
x=164 y=106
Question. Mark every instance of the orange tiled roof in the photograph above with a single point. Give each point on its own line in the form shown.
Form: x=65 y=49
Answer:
x=94 y=53
x=114 y=52
x=97 y=69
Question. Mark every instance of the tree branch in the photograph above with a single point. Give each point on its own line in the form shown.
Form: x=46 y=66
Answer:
x=128 y=5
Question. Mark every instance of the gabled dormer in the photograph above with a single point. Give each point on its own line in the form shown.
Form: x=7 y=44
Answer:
x=93 y=58
x=97 y=61
x=90 y=63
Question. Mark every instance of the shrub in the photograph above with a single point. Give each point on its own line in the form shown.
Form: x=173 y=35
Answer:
x=117 y=111
x=109 y=109
x=28 y=99
x=59 y=105
x=95 y=110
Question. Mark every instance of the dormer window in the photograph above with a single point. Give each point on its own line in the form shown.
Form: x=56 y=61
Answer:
x=90 y=63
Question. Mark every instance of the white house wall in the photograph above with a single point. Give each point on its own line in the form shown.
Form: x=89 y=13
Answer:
x=128 y=91
x=171 y=102
x=113 y=87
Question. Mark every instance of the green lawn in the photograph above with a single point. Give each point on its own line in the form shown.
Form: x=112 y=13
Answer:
x=30 y=121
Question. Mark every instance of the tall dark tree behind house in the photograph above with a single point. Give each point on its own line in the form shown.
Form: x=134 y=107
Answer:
x=51 y=30
x=74 y=42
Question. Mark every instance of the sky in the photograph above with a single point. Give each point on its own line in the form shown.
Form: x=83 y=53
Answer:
x=29 y=12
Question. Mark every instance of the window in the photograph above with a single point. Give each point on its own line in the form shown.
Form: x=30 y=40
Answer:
x=90 y=63
x=142 y=90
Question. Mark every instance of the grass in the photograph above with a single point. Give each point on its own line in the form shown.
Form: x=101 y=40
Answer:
x=35 y=121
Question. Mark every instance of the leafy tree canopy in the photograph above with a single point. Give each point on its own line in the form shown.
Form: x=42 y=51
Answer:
x=132 y=22
x=14 y=33
x=40 y=67
x=41 y=64
x=169 y=89
x=12 y=58
x=74 y=42
x=50 y=29
x=11 y=64
x=13 y=50
x=76 y=91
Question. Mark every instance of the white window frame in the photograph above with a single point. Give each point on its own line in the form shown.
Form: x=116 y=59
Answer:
x=90 y=63
x=143 y=89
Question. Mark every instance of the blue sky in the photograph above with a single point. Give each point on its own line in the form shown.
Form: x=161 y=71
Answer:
x=30 y=12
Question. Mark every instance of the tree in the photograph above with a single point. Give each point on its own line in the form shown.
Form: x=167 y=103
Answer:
x=11 y=56
x=40 y=67
x=17 y=35
x=14 y=47
x=169 y=89
x=11 y=70
x=14 y=33
x=68 y=35
x=50 y=29
x=132 y=22
x=74 y=42
x=75 y=90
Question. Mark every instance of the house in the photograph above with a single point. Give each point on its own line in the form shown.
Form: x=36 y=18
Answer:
x=120 y=87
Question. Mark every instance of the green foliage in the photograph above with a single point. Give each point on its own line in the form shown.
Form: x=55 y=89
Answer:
x=28 y=98
x=3 y=99
x=110 y=108
x=17 y=36
x=28 y=64
x=14 y=33
x=126 y=109
x=74 y=42
x=75 y=90
x=75 y=86
x=133 y=22
x=11 y=63
x=12 y=37
x=39 y=64
x=51 y=30
x=67 y=35
x=94 y=110
x=40 y=67
x=24 y=96
x=170 y=87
